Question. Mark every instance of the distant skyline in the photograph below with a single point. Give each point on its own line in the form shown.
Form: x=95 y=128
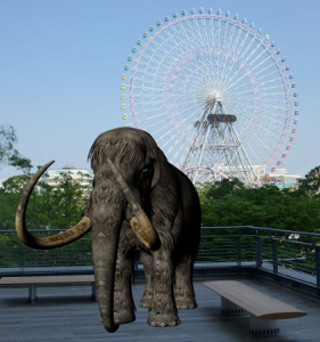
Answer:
x=61 y=64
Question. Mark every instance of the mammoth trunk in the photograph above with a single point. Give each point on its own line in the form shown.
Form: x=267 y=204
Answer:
x=104 y=253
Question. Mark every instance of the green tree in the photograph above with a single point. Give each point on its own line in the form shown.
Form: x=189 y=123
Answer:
x=8 y=154
x=9 y=198
x=15 y=185
x=310 y=185
x=224 y=188
x=267 y=206
x=49 y=207
x=59 y=206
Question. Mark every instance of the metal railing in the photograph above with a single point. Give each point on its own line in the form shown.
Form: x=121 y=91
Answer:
x=284 y=254
x=281 y=253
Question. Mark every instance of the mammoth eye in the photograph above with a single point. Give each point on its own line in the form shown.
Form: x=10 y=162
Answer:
x=147 y=171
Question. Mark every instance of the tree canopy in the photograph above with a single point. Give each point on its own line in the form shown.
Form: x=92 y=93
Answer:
x=310 y=185
x=59 y=206
x=230 y=203
x=8 y=154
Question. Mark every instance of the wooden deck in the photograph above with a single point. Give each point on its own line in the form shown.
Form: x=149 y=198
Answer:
x=68 y=314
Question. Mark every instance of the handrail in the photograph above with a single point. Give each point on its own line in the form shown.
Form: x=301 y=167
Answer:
x=288 y=231
x=203 y=228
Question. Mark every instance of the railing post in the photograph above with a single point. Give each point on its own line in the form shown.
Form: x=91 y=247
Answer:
x=22 y=260
x=238 y=241
x=318 y=265
x=275 y=255
x=258 y=252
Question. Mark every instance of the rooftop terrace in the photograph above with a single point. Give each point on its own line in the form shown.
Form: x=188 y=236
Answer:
x=264 y=258
x=68 y=314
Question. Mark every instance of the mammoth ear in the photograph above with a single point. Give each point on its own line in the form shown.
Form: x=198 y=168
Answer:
x=156 y=173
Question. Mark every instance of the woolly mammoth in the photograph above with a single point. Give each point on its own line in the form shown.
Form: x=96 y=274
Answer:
x=139 y=203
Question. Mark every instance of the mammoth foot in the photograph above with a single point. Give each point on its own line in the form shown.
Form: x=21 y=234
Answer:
x=185 y=303
x=163 y=320
x=145 y=302
x=123 y=316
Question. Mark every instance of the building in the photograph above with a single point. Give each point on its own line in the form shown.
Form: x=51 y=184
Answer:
x=83 y=177
x=281 y=178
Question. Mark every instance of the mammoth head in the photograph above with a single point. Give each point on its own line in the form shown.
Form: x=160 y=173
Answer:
x=134 y=150
x=135 y=153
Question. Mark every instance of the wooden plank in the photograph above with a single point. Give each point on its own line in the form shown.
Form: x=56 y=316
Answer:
x=70 y=316
x=48 y=280
x=253 y=301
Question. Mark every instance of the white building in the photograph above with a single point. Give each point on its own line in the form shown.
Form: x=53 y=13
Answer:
x=281 y=178
x=83 y=177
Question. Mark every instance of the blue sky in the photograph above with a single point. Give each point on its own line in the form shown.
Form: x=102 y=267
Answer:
x=61 y=64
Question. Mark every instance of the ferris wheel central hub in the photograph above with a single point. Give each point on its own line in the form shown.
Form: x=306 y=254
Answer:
x=215 y=95
x=213 y=98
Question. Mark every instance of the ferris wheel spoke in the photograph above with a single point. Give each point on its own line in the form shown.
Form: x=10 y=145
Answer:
x=175 y=144
x=233 y=54
x=188 y=114
x=238 y=50
x=267 y=80
x=178 y=114
x=243 y=59
x=226 y=63
x=186 y=132
x=251 y=71
x=262 y=73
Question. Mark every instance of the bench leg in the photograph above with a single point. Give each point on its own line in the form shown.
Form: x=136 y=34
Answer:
x=32 y=293
x=263 y=327
x=230 y=309
x=93 y=292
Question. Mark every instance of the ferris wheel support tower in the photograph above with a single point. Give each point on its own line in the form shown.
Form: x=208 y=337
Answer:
x=216 y=146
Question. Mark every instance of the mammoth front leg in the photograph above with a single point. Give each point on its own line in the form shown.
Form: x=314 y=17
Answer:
x=163 y=311
x=183 y=286
x=123 y=302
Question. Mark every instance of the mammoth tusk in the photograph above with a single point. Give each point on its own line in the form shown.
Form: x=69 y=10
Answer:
x=45 y=242
x=144 y=230
x=140 y=223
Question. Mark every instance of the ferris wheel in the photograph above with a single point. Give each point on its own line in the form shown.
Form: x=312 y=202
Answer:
x=214 y=93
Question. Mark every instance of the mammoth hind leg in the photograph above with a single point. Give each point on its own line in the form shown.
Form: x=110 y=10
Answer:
x=184 y=294
x=146 y=299
x=124 y=307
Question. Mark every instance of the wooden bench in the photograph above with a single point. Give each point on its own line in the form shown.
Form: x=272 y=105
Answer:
x=48 y=280
x=237 y=298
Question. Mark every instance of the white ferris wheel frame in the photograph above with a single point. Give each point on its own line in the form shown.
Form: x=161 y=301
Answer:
x=203 y=49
